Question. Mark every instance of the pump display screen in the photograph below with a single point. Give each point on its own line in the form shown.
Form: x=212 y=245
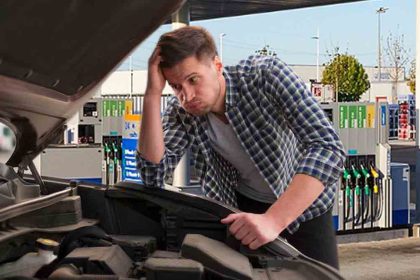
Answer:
x=90 y=109
x=329 y=113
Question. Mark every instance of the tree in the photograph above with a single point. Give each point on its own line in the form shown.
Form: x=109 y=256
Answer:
x=266 y=51
x=397 y=57
x=347 y=77
x=412 y=77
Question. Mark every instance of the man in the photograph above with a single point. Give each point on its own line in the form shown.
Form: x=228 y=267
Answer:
x=258 y=141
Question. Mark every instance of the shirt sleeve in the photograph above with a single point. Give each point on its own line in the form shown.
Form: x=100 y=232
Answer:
x=176 y=142
x=325 y=155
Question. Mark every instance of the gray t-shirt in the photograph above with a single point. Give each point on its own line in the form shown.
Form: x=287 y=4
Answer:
x=224 y=141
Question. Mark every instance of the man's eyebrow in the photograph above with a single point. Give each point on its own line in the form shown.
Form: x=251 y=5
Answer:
x=193 y=73
x=185 y=78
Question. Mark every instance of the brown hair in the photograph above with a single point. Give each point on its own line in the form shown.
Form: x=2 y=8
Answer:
x=184 y=42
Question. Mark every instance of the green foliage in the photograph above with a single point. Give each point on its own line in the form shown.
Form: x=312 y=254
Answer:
x=412 y=78
x=347 y=76
x=266 y=51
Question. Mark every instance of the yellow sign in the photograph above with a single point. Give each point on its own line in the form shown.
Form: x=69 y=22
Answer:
x=128 y=107
x=370 y=116
x=132 y=118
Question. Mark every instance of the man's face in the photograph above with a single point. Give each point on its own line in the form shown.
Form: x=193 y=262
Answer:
x=197 y=84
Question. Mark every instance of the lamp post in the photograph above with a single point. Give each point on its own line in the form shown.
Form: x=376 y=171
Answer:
x=221 y=35
x=380 y=11
x=317 y=54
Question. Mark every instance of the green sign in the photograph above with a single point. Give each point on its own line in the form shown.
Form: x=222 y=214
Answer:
x=344 y=117
x=106 y=112
x=114 y=108
x=361 y=116
x=121 y=108
x=352 y=116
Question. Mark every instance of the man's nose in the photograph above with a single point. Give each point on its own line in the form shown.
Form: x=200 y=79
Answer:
x=188 y=94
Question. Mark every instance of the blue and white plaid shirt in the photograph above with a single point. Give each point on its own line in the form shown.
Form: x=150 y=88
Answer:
x=278 y=122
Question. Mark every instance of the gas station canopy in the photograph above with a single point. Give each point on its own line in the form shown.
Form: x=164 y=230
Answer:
x=210 y=9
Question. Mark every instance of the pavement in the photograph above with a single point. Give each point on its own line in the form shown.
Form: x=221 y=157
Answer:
x=385 y=260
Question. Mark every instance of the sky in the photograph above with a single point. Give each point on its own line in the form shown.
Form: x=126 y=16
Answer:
x=352 y=27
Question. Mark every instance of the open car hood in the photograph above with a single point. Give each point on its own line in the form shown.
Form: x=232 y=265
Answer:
x=54 y=53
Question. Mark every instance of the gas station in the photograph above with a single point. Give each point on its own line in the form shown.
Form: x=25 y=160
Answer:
x=372 y=200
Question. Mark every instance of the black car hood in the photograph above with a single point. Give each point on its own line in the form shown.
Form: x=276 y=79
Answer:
x=54 y=53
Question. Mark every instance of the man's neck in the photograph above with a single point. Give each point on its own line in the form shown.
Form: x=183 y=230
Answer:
x=221 y=117
x=219 y=107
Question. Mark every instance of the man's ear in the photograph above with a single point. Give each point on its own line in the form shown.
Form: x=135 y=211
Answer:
x=218 y=63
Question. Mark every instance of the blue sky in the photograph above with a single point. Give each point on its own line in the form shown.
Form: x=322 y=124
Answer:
x=353 y=27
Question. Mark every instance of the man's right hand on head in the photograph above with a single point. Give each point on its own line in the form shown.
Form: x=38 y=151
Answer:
x=155 y=79
x=151 y=142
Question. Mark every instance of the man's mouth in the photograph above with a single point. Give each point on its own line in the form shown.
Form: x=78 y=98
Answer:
x=192 y=105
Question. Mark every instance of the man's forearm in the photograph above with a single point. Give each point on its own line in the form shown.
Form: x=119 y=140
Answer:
x=301 y=193
x=151 y=144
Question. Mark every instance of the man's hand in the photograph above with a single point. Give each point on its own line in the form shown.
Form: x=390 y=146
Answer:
x=256 y=230
x=155 y=79
x=253 y=230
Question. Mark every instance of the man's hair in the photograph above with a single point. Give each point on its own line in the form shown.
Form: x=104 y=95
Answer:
x=184 y=42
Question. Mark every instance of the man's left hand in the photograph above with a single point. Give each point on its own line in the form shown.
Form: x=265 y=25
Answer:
x=253 y=230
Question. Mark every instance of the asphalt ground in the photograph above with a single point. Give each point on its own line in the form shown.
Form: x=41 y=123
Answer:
x=384 y=260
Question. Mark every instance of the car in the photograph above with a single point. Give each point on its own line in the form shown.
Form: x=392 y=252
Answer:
x=52 y=57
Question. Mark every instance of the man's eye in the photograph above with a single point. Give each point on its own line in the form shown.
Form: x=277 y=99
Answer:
x=176 y=87
x=194 y=80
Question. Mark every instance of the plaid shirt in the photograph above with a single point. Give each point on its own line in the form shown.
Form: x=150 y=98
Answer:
x=278 y=122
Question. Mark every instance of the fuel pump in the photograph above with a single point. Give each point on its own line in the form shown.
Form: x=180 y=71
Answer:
x=365 y=188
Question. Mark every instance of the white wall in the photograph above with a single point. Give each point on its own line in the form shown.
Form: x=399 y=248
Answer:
x=384 y=89
x=308 y=72
x=119 y=82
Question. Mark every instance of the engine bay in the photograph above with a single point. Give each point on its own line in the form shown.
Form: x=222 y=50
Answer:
x=85 y=231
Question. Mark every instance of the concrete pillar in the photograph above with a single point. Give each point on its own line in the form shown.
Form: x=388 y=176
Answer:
x=417 y=219
x=182 y=17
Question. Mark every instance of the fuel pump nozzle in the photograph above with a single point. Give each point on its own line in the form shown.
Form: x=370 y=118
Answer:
x=357 y=177
x=375 y=176
x=377 y=191
x=366 y=175
x=347 y=194
x=357 y=195
x=365 y=199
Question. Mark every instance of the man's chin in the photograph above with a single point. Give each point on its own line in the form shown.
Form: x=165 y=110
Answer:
x=197 y=113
